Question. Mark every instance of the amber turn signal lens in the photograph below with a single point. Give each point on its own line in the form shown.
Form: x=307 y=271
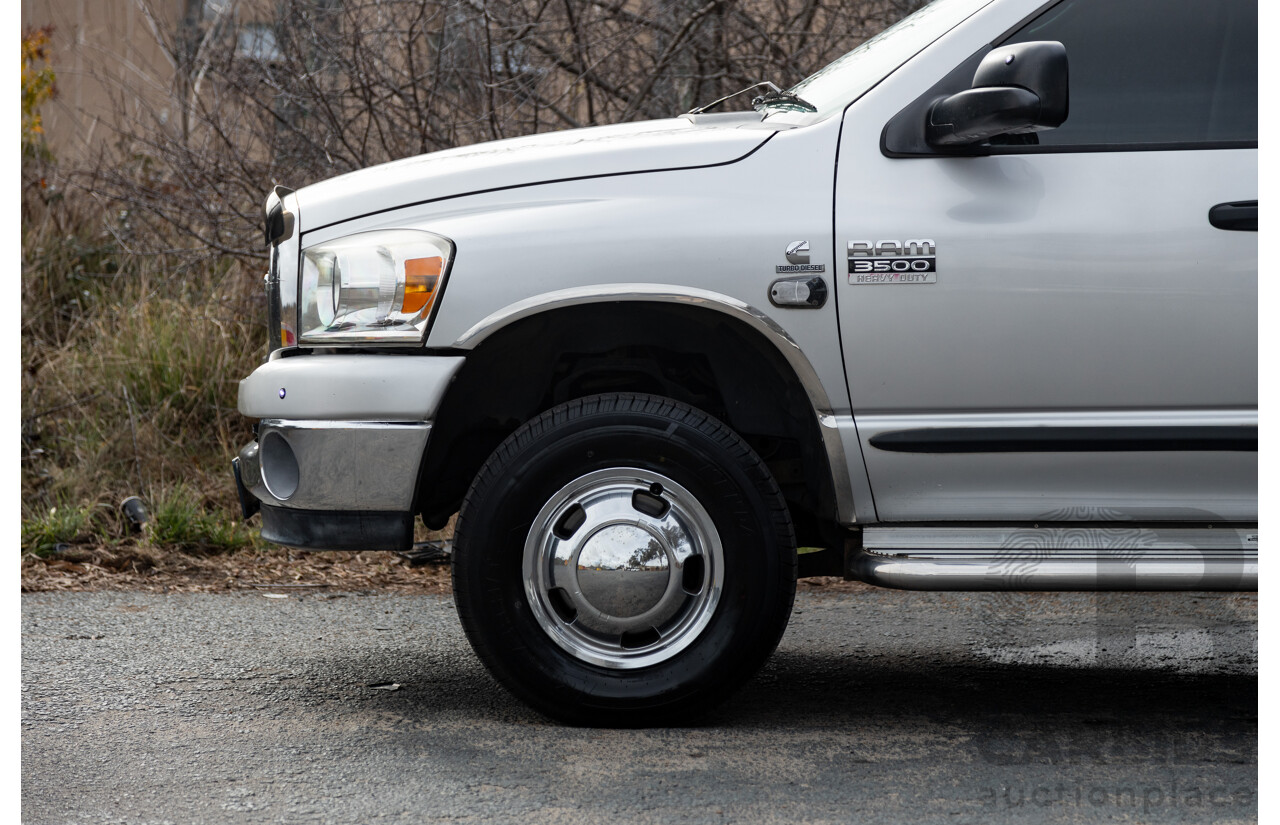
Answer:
x=421 y=277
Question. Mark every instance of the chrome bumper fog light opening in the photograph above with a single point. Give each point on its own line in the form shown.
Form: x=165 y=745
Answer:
x=279 y=466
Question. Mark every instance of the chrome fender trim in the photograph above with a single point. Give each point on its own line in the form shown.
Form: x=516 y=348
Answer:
x=744 y=312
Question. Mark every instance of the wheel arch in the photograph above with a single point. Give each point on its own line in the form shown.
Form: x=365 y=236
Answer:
x=697 y=346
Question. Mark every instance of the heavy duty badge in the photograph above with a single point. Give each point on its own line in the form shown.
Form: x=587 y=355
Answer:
x=893 y=262
x=798 y=255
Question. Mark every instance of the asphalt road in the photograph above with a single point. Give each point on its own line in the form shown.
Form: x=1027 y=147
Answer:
x=878 y=706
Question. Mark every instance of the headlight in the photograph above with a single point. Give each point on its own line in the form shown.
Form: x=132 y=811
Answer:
x=372 y=286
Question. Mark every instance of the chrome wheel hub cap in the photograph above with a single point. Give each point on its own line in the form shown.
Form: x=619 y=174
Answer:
x=623 y=568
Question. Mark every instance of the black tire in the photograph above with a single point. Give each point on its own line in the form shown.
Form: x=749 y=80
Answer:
x=725 y=638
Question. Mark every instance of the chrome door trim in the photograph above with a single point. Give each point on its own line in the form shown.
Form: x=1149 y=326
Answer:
x=1061 y=537
x=875 y=423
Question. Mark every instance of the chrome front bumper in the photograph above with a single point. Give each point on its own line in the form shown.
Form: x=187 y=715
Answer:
x=340 y=445
x=334 y=465
x=333 y=485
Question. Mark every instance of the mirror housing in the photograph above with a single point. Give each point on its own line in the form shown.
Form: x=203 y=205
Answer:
x=1017 y=89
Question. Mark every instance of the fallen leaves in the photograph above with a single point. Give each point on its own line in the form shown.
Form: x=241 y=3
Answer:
x=135 y=568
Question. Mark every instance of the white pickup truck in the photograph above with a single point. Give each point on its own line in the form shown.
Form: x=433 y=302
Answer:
x=973 y=307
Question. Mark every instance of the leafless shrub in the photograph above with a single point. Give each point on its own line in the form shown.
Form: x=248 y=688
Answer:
x=323 y=87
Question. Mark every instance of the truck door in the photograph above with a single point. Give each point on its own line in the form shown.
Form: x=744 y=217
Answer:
x=1074 y=334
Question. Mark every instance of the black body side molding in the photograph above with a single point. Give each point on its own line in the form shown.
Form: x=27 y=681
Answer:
x=1068 y=439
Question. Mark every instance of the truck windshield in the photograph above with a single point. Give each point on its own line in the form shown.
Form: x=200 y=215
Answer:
x=847 y=78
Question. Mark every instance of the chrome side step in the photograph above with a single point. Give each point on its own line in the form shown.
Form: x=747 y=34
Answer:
x=1057 y=558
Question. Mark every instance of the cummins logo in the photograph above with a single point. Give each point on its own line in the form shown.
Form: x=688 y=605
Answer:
x=798 y=255
x=913 y=261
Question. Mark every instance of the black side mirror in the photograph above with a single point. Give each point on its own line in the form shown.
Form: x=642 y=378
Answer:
x=1016 y=89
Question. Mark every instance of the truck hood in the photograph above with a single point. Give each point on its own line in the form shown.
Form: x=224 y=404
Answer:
x=675 y=143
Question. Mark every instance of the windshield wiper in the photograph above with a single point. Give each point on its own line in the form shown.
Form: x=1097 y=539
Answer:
x=699 y=110
x=785 y=98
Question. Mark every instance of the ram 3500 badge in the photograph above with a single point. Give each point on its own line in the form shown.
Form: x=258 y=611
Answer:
x=606 y=351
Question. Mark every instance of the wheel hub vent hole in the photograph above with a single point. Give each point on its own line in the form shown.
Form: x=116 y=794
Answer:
x=691 y=578
x=639 y=638
x=560 y=604
x=650 y=503
x=569 y=523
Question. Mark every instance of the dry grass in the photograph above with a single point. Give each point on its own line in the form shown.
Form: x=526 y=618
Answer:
x=129 y=372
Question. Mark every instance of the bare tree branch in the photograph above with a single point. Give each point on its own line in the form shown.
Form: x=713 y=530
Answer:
x=329 y=86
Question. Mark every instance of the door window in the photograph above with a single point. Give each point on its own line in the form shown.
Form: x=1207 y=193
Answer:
x=1154 y=71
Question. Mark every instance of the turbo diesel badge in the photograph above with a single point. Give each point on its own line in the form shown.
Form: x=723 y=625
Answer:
x=913 y=261
x=798 y=255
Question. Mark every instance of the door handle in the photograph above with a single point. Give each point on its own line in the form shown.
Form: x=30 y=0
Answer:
x=1240 y=215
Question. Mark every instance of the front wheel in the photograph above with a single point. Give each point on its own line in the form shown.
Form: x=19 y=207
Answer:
x=624 y=560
